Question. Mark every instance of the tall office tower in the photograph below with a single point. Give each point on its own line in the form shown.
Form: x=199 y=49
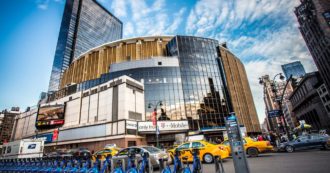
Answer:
x=314 y=20
x=296 y=69
x=272 y=92
x=85 y=24
x=239 y=91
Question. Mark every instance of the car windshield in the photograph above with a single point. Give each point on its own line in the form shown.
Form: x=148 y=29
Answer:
x=103 y=151
x=152 y=149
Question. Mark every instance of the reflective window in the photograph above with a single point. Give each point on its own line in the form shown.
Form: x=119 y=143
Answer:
x=201 y=83
x=184 y=146
x=95 y=27
x=197 y=145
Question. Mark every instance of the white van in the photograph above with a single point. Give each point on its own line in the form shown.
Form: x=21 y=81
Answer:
x=25 y=148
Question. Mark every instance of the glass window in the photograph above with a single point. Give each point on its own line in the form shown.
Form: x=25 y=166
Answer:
x=123 y=152
x=184 y=146
x=197 y=145
x=152 y=149
x=226 y=143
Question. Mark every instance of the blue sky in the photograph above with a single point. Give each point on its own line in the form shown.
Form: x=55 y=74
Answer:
x=262 y=33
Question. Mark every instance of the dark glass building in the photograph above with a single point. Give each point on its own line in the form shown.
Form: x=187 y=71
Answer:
x=296 y=69
x=85 y=24
x=314 y=24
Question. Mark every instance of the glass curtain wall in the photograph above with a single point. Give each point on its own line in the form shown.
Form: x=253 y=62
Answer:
x=160 y=84
x=205 y=103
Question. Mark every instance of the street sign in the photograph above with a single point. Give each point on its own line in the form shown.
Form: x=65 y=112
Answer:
x=274 y=113
x=236 y=143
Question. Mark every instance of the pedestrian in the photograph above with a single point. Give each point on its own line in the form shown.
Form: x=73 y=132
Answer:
x=272 y=139
x=264 y=136
x=260 y=138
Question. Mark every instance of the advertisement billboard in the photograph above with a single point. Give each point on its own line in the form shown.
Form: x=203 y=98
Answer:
x=50 y=115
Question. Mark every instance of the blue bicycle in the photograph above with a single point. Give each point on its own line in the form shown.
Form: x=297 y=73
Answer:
x=96 y=166
x=119 y=167
x=162 y=168
x=106 y=165
x=177 y=162
x=131 y=167
x=143 y=165
x=197 y=164
x=177 y=168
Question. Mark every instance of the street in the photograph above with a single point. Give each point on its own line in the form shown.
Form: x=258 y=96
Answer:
x=316 y=161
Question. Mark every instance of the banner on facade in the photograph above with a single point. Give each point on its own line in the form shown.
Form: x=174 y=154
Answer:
x=147 y=126
x=131 y=125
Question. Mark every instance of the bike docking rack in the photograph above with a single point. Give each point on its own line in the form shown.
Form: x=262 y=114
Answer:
x=178 y=166
x=78 y=165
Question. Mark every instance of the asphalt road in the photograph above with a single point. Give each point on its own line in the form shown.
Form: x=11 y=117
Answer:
x=311 y=161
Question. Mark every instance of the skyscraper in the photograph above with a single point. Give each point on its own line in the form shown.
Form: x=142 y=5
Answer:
x=239 y=90
x=314 y=20
x=296 y=69
x=272 y=91
x=85 y=24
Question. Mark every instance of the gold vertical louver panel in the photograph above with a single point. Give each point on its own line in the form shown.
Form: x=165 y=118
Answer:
x=93 y=64
x=239 y=90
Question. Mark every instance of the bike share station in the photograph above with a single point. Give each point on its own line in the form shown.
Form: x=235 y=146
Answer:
x=134 y=162
x=81 y=164
x=237 y=145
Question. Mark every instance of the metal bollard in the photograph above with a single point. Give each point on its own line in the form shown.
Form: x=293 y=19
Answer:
x=218 y=165
x=161 y=164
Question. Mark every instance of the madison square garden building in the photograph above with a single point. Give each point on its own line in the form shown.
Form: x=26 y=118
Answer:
x=197 y=80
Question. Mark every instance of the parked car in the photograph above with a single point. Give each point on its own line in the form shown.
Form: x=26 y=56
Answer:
x=252 y=147
x=59 y=153
x=102 y=154
x=305 y=142
x=80 y=152
x=154 y=154
x=207 y=150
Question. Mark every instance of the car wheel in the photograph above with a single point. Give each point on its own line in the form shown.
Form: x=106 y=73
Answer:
x=252 y=152
x=289 y=149
x=326 y=147
x=208 y=158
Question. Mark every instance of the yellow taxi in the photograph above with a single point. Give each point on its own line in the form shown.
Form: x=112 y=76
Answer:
x=102 y=154
x=253 y=148
x=206 y=150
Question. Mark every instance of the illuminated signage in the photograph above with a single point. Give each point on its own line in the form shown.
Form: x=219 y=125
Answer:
x=50 y=115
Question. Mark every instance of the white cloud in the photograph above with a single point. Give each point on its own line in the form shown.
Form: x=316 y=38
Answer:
x=119 y=8
x=128 y=28
x=263 y=33
x=277 y=48
x=43 y=4
x=178 y=18
x=148 y=18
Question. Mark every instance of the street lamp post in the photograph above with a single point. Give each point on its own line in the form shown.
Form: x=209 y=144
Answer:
x=150 y=105
x=279 y=101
